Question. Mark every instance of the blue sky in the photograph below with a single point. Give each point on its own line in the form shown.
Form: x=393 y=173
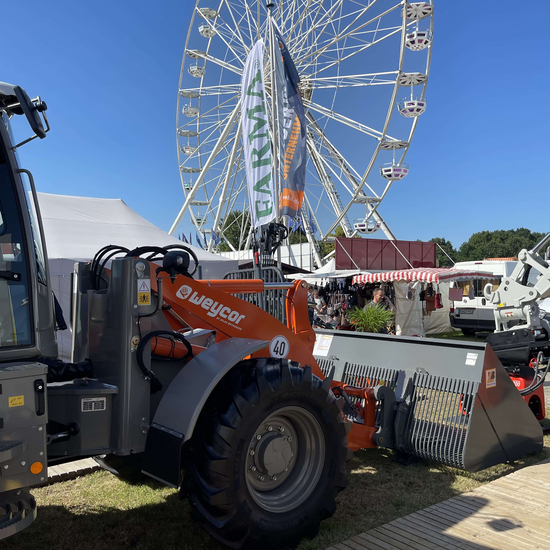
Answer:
x=110 y=73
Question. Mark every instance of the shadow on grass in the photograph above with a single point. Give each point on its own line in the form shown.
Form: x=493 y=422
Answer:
x=161 y=526
x=99 y=511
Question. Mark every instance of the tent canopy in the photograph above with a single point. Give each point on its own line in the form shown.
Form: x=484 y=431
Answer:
x=328 y=271
x=426 y=275
x=76 y=228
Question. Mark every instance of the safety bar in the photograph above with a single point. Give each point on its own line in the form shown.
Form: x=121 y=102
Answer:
x=250 y=286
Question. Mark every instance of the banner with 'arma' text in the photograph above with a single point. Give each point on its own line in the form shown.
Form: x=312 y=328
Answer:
x=256 y=142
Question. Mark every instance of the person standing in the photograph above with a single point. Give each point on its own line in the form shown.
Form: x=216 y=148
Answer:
x=379 y=298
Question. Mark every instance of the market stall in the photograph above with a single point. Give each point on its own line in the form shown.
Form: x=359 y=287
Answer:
x=421 y=296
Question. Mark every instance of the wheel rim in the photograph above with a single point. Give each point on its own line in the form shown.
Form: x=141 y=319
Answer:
x=285 y=459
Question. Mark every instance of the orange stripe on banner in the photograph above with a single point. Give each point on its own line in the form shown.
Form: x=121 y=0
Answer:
x=291 y=199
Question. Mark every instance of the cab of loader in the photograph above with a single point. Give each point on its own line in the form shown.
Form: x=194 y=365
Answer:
x=27 y=324
x=27 y=320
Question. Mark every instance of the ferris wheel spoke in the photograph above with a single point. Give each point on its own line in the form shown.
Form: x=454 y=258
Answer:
x=290 y=13
x=212 y=156
x=205 y=91
x=351 y=81
x=216 y=109
x=315 y=28
x=227 y=38
x=325 y=40
x=319 y=29
x=235 y=29
x=348 y=53
x=350 y=173
x=253 y=21
x=344 y=120
x=223 y=64
x=329 y=186
x=228 y=172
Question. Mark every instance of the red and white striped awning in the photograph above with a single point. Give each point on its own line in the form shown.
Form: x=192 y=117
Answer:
x=427 y=275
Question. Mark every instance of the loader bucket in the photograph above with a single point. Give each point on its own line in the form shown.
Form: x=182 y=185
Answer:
x=451 y=402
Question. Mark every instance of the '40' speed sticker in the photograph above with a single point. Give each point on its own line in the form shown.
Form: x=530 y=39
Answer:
x=279 y=347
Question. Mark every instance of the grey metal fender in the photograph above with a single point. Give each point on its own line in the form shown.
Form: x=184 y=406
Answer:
x=181 y=405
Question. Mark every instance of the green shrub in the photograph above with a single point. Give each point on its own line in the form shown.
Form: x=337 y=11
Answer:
x=370 y=319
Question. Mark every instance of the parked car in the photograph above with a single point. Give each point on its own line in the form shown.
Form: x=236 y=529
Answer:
x=472 y=313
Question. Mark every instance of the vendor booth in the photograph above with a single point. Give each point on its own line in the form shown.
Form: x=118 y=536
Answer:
x=421 y=296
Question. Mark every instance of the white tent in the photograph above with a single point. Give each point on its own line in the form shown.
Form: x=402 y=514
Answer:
x=76 y=228
x=328 y=271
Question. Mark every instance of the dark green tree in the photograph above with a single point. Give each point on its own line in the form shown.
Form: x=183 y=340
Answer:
x=503 y=243
x=232 y=229
x=440 y=256
x=297 y=237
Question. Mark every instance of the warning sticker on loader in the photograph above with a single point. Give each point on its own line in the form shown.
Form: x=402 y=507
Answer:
x=471 y=359
x=16 y=401
x=144 y=292
x=322 y=344
x=491 y=378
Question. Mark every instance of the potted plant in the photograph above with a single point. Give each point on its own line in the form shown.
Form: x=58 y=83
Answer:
x=371 y=319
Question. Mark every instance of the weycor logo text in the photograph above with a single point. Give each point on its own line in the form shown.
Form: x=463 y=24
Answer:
x=213 y=309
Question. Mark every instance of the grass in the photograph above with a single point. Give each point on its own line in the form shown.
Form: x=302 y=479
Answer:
x=457 y=335
x=100 y=511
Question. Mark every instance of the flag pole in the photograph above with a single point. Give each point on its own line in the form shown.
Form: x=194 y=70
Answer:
x=275 y=114
x=274 y=109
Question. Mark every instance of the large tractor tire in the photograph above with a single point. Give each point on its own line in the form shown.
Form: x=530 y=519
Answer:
x=267 y=457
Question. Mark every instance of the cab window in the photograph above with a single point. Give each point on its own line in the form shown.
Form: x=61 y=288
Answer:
x=15 y=310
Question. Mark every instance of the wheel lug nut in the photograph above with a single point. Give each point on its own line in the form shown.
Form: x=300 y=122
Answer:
x=274 y=478
x=269 y=428
x=281 y=429
x=291 y=454
x=251 y=452
x=258 y=437
x=289 y=439
x=261 y=478
x=253 y=468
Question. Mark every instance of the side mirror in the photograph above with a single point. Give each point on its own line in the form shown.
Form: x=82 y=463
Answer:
x=32 y=111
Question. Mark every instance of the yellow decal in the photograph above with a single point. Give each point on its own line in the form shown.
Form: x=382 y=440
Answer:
x=144 y=298
x=16 y=401
x=144 y=292
x=491 y=378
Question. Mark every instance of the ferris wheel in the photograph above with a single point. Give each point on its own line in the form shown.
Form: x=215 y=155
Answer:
x=363 y=68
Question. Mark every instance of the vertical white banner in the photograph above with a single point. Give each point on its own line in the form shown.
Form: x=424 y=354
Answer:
x=256 y=142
